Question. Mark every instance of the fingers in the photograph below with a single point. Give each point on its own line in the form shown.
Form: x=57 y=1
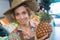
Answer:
x=48 y=39
x=44 y=37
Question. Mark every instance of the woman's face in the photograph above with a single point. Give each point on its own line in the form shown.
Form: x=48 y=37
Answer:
x=21 y=15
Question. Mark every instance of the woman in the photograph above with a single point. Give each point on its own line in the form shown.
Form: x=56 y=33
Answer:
x=20 y=12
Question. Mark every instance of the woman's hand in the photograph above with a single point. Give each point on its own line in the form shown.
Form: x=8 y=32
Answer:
x=47 y=39
x=43 y=38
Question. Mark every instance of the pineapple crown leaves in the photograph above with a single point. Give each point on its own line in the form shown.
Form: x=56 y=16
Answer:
x=44 y=16
x=38 y=15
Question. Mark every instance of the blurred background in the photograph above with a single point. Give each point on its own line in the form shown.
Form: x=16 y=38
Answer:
x=50 y=6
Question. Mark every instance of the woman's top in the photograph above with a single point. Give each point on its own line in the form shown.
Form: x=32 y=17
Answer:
x=27 y=34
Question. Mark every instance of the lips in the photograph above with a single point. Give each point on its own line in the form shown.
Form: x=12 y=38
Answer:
x=24 y=21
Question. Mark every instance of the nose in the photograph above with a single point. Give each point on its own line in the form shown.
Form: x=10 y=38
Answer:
x=23 y=16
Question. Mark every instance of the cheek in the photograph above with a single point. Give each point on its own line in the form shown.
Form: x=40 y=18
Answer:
x=27 y=16
x=17 y=18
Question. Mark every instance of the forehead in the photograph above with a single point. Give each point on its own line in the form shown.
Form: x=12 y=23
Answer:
x=20 y=8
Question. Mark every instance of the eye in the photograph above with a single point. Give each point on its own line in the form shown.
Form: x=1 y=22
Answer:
x=23 y=12
x=16 y=14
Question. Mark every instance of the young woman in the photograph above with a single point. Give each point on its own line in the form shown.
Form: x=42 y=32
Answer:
x=21 y=12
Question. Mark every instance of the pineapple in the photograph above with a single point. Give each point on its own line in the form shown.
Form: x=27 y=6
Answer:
x=44 y=27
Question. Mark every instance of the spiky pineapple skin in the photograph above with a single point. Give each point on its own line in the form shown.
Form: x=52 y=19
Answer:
x=43 y=29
